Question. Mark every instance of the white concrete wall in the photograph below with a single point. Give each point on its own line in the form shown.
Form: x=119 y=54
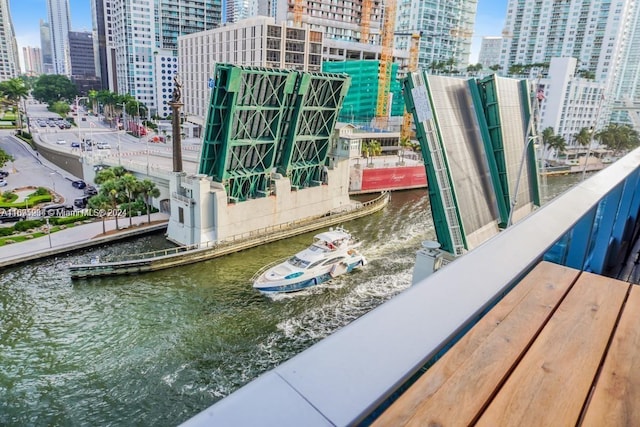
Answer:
x=208 y=217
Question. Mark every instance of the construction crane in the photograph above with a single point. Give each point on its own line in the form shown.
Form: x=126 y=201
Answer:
x=386 y=59
x=365 y=21
x=414 y=50
x=298 y=10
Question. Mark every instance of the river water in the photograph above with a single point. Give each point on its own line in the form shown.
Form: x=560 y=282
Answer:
x=156 y=349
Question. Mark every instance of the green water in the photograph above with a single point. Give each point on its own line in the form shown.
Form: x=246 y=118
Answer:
x=156 y=349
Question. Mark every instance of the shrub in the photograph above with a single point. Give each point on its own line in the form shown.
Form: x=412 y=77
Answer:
x=28 y=224
x=41 y=191
x=9 y=197
x=30 y=202
x=62 y=220
x=6 y=231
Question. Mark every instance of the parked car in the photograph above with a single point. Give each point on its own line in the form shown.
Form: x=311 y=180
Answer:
x=11 y=218
x=56 y=210
x=81 y=202
x=3 y=183
x=4 y=174
x=90 y=190
x=79 y=184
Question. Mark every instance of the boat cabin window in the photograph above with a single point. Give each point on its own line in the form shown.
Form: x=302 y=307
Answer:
x=333 y=260
x=315 y=264
x=297 y=262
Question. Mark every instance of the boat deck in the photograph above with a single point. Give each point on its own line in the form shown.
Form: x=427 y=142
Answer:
x=561 y=348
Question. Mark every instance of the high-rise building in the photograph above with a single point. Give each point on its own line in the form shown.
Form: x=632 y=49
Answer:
x=598 y=34
x=447 y=30
x=45 y=47
x=257 y=41
x=32 y=60
x=59 y=25
x=571 y=102
x=343 y=27
x=138 y=32
x=83 y=66
x=626 y=93
x=9 y=60
x=490 y=51
x=81 y=54
x=100 y=42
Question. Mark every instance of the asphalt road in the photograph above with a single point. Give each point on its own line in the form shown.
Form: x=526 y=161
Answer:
x=125 y=147
x=28 y=168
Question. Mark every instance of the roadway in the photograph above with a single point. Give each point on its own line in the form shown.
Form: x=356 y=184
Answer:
x=30 y=169
x=125 y=150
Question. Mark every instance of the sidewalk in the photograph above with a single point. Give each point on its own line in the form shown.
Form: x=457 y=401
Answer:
x=78 y=237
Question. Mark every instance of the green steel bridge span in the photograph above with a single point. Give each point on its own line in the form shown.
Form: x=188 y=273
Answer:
x=262 y=121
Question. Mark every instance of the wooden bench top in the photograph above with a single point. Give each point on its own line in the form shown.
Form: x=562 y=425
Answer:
x=558 y=349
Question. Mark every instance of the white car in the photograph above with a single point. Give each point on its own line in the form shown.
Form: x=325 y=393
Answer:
x=61 y=142
x=103 y=146
x=3 y=183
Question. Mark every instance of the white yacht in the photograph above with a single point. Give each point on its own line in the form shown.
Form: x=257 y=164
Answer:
x=331 y=254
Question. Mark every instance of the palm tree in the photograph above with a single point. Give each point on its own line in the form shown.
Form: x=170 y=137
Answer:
x=149 y=190
x=583 y=137
x=552 y=141
x=618 y=137
x=100 y=203
x=405 y=142
x=450 y=63
x=113 y=191
x=93 y=98
x=15 y=90
x=131 y=186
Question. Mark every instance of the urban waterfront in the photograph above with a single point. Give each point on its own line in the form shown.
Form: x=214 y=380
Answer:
x=155 y=349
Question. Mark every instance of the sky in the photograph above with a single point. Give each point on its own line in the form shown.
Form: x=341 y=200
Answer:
x=26 y=15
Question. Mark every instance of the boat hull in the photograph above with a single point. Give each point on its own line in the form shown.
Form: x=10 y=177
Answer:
x=300 y=283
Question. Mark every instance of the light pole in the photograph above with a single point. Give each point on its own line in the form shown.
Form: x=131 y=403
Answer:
x=78 y=98
x=53 y=181
x=119 y=157
x=48 y=231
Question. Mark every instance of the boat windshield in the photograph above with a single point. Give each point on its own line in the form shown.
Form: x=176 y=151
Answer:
x=297 y=262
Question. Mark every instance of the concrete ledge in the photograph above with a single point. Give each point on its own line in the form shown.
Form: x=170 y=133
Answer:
x=49 y=252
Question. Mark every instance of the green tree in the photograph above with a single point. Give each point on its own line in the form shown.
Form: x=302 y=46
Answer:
x=4 y=158
x=495 y=67
x=583 y=137
x=405 y=142
x=552 y=141
x=619 y=138
x=50 y=88
x=517 y=70
x=60 y=107
x=450 y=64
x=14 y=90
x=149 y=190
x=114 y=192
x=93 y=98
x=100 y=203
x=131 y=186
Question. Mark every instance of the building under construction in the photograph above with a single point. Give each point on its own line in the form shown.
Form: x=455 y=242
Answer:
x=361 y=100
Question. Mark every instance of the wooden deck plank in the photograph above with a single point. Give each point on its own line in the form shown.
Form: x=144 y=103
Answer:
x=454 y=389
x=616 y=398
x=552 y=382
